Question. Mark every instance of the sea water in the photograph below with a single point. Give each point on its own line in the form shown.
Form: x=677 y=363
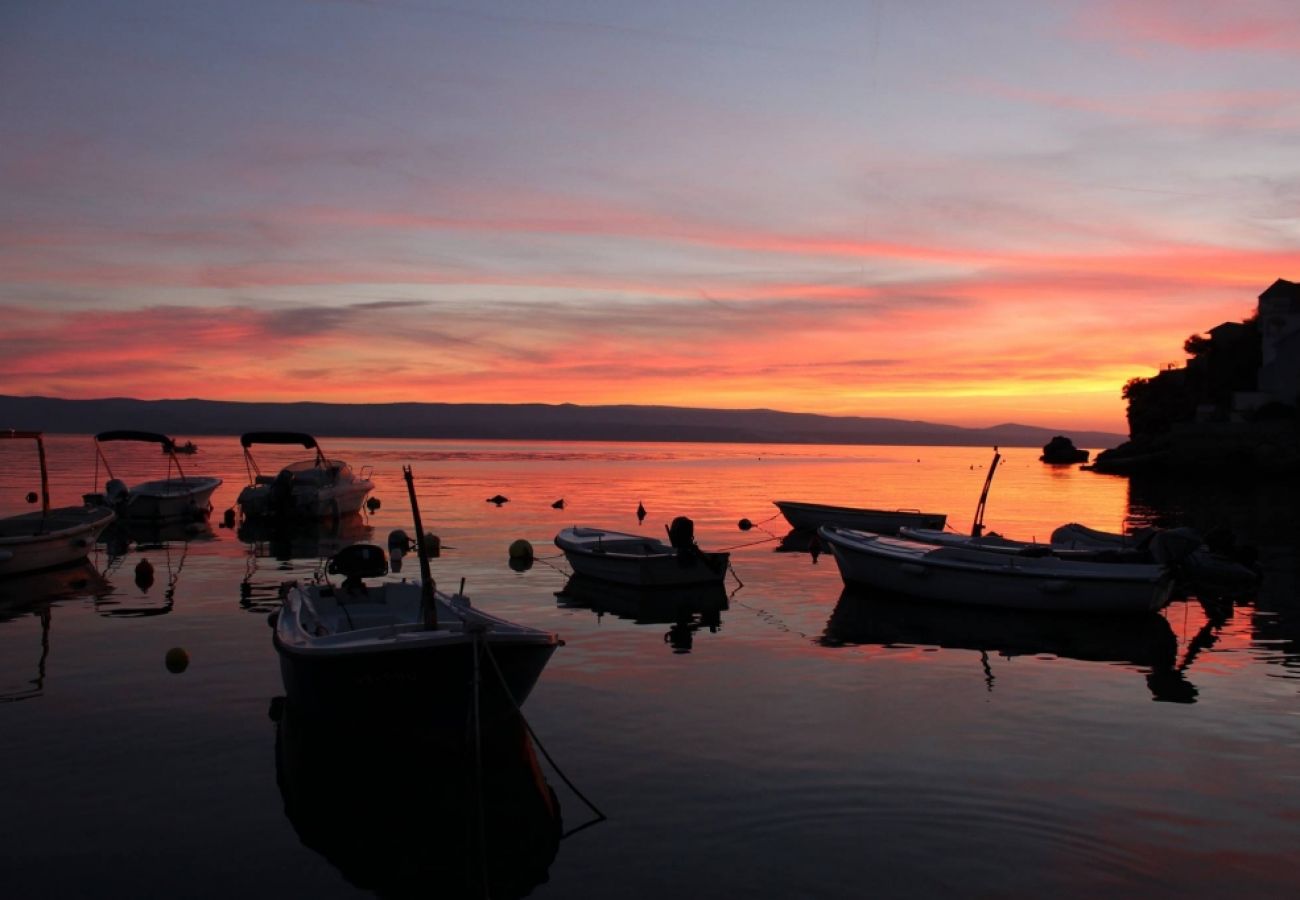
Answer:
x=802 y=742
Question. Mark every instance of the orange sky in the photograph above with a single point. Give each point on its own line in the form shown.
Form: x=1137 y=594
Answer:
x=1002 y=217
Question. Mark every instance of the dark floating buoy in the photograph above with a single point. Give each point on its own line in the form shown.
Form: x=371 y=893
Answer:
x=744 y=524
x=144 y=574
x=31 y=497
x=640 y=512
x=228 y=518
x=498 y=499
x=521 y=555
x=176 y=660
x=558 y=504
x=372 y=504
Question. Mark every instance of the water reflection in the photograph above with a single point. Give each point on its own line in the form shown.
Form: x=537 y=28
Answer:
x=1144 y=642
x=686 y=608
x=36 y=594
x=453 y=822
x=277 y=552
x=162 y=549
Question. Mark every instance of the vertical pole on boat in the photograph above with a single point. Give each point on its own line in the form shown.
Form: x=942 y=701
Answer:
x=977 y=527
x=45 y=475
x=428 y=604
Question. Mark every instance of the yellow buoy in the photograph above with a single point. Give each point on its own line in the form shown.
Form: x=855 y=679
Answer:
x=177 y=660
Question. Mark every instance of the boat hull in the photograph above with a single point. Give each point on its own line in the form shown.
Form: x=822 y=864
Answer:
x=811 y=516
x=432 y=685
x=982 y=578
x=35 y=541
x=329 y=502
x=657 y=571
x=171 y=500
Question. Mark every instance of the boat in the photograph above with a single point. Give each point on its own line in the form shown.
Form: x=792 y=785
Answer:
x=982 y=577
x=641 y=561
x=316 y=488
x=188 y=448
x=50 y=537
x=401 y=650
x=811 y=516
x=685 y=608
x=184 y=497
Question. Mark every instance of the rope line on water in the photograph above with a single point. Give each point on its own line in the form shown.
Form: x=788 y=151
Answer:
x=600 y=816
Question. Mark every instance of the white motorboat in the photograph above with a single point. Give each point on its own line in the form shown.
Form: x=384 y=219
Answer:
x=316 y=488
x=981 y=577
x=401 y=650
x=184 y=497
x=32 y=541
x=811 y=516
x=641 y=561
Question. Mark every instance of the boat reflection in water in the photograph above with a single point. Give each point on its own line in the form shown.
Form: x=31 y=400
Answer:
x=686 y=608
x=36 y=594
x=283 y=542
x=456 y=823
x=162 y=548
x=1144 y=642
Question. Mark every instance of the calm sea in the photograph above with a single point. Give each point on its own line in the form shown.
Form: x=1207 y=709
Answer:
x=800 y=742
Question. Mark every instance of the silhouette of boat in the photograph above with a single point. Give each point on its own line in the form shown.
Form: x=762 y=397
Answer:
x=641 y=561
x=33 y=541
x=315 y=488
x=401 y=650
x=188 y=448
x=462 y=824
x=184 y=496
x=983 y=577
x=811 y=516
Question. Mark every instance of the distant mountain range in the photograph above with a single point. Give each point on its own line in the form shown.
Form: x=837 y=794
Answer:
x=515 y=421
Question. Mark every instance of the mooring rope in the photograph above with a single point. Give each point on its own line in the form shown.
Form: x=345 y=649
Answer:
x=600 y=816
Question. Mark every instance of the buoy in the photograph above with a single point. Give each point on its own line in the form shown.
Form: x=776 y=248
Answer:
x=558 y=504
x=521 y=549
x=744 y=524
x=32 y=498
x=498 y=499
x=228 y=519
x=176 y=660
x=144 y=575
x=640 y=512
x=432 y=545
x=372 y=504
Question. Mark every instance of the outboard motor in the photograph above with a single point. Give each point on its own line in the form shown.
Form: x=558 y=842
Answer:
x=357 y=562
x=1174 y=545
x=398 y=546
x=116 y=492
x=681 y=534
x=280 y=497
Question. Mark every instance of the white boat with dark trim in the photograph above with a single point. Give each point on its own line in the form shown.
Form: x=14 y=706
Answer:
x=980 y=577
x=316 y=488
x=179 y=496
x=642 y=561
x=32 y=541
x=811 y=516
x=401 y=649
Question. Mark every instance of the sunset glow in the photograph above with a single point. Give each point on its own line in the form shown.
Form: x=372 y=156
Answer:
x=961 y=214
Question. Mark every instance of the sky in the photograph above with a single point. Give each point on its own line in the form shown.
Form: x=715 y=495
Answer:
x=955 y=212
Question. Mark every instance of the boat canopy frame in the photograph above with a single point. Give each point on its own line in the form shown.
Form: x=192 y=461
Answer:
x=148 y=437
x=283 y=438
x=39 y=437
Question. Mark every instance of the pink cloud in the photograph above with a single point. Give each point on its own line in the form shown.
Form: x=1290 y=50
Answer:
x=1202 y=25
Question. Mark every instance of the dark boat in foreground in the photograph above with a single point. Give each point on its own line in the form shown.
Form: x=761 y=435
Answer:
x=401 y=649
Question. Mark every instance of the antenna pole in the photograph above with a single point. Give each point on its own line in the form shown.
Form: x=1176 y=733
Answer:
x=977 y=527
x=428 y=604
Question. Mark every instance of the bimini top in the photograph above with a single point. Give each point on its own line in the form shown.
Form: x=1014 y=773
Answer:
x=277 y=437
x=147 y=436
